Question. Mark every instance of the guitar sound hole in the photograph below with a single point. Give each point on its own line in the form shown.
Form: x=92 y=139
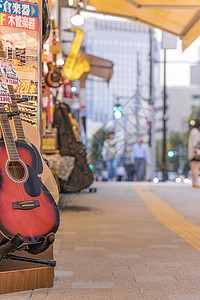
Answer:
x=16 y=170
x=55 y=77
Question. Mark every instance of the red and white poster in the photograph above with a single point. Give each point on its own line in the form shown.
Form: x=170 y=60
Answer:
x=7 y=67
x=4 y=93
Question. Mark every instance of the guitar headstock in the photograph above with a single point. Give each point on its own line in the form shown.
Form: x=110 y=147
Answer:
x=55 y=47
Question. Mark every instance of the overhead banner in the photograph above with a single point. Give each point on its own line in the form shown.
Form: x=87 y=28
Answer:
x=18 y=14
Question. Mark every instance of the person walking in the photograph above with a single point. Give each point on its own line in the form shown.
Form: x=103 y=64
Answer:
x=194 y=152
x=139 y=158
x=109 y=155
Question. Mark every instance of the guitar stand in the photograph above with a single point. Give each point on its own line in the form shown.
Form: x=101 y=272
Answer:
x=51 y=263
x=16 y=243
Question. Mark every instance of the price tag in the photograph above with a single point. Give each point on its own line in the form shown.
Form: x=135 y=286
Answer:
x=4 y=93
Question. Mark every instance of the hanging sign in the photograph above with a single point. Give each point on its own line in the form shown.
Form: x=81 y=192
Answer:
x=17 y=14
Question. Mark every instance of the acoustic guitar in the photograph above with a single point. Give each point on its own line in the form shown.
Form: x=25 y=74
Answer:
x=27 y=207
x=26 y=133
x=54 y=77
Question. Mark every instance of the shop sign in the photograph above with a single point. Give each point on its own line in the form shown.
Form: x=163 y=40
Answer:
x=26 y=87
x=4 y=93
x=18 y=14
x=22 y=68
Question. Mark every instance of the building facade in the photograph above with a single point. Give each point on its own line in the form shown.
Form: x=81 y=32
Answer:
x=180 y=103
x=127 y=44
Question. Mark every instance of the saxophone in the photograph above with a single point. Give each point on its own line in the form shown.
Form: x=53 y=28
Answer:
x=74 y=66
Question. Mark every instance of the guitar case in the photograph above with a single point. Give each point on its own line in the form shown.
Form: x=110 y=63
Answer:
x=81 y=176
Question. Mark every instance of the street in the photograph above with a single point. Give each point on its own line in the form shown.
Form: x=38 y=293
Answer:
x=127 y=241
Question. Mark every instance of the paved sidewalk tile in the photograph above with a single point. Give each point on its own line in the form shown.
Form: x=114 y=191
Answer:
x=155 y=279
x=184 y=297
x=63 y=273
x=93 y=285
x=89 y=249
x=163 y=264
x=123 y=256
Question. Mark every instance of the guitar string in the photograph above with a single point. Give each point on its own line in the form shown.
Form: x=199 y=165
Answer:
x=8 y=141
x=16 y=171
x=12 y=94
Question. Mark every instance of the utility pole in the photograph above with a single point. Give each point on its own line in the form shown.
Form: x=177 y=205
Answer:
x=164 y=154
x=169 y=41
x=137 y=98
x=151 y=105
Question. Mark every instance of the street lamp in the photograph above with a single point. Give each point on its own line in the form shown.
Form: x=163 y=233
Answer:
x=77 y=19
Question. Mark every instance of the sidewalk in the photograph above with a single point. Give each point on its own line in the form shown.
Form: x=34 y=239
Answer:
x=110 y=246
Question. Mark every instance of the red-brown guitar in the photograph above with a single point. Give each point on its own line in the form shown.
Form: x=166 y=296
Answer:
x=26 y=205
x=54 y=77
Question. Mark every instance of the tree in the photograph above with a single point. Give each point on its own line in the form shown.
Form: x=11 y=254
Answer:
x=195 y=114
x=177 y=142
x=96 y=145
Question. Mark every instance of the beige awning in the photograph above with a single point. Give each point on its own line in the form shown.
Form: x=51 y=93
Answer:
x=180 y=17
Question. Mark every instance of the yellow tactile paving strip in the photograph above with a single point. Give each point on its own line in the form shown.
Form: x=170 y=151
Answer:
x=169 y=217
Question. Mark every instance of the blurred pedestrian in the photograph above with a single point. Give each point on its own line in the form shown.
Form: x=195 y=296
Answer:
x=104 y=175
x=109 y=155
x=194 y=152
x=139 y=158
x=120 y=173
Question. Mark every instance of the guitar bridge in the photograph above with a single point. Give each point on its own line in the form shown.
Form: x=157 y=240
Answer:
x=25 y=205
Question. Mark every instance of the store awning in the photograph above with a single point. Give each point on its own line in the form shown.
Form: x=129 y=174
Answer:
x=100 y=67
x=180 y=17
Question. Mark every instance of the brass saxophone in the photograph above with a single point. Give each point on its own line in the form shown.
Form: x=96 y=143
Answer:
x=75 y=66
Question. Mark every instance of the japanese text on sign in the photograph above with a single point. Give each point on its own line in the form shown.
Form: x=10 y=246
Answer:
x=19 y=8
x=8 y=68
x=4 y=93
x=26 y=88
x=19 y=15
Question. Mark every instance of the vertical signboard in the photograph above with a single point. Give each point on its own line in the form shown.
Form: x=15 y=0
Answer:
x=19 y=36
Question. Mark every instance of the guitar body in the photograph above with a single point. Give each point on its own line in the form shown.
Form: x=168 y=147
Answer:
x=54 y=77
x=41 y=169
x=27 y=207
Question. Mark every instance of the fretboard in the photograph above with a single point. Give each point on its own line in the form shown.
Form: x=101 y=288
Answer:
x=16 y=118
x=7 y=134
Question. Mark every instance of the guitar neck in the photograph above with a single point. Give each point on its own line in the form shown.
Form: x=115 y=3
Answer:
x=17 y=120
x=54 y=60
x=7 y=134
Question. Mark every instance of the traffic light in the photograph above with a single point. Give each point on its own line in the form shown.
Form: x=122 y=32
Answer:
x=90 y=164
x=170 y=153
x=117 y=111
